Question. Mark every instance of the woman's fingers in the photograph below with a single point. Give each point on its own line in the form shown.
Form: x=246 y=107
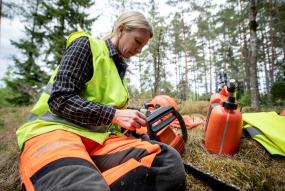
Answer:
x=129 y=119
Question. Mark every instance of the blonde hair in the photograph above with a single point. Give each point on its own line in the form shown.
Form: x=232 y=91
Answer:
x=129 y=21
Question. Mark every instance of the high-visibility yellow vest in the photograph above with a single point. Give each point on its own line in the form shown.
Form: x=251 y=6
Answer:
x=105 y=87
x=268 y=128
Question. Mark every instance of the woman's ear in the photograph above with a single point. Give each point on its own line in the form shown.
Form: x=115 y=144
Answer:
x=120 y=31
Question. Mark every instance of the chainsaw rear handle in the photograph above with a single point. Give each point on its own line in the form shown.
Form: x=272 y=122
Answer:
x=154 y=123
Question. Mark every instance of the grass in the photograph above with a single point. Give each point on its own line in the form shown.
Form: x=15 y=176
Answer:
x=10 y=119
x=251 y=168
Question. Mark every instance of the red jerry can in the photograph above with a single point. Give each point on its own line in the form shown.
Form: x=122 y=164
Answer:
x=216 y=99
x=224 y=126
x=220 y=97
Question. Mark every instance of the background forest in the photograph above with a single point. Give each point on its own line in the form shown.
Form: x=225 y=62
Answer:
x=197 y=46
x=194 y=42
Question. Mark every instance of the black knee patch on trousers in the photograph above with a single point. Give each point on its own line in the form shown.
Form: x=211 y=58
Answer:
x=165 y=174
x=169 y=168
x=138 y=179
x=69 y=174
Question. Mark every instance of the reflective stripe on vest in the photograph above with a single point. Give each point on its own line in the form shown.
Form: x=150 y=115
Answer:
x=257 y=135
x=268 y=129
x=48 y=88
x=252 y=131
x=48 y=116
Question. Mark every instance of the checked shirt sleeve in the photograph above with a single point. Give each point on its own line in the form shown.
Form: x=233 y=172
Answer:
x=75 y=70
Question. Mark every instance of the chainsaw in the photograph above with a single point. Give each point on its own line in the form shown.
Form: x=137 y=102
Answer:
x=158 y=128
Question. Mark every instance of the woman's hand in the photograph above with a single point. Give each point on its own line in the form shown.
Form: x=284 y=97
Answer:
x=129 y=119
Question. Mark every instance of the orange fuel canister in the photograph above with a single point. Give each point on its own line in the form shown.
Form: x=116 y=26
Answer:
x=220 y=97
x=283 y=112
x=216 y=99
x=224 y=127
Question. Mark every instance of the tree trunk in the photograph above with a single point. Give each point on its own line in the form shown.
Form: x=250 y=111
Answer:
x=266 y=58
x=140 y=74
x=245 y=54
x=185 y=89
x=225 y=60
x=283 y=44
x=155 y=85
x=253 y=56
x=273 y=54
x=195 y=80
x=157 y=63
x=282 y=32
x=185 y=86
x=267 y=42
x=176 y=72
x=205 y=70
x=210 y=67
x=265 y=62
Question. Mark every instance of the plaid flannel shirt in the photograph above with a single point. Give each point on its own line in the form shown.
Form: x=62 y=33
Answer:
x=76 y=68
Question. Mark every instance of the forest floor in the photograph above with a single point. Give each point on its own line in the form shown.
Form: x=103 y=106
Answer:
x=251 y=168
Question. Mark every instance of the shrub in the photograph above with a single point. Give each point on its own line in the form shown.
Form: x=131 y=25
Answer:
x=4 y=95
x=205 y=97
x=244 y=100
x=278 y=92
x=264 y=99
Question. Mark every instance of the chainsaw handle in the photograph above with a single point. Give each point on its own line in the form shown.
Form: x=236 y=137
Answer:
x=154 y=125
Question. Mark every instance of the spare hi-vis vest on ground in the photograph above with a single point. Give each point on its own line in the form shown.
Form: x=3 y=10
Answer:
x=268 y=128
x=105 y=87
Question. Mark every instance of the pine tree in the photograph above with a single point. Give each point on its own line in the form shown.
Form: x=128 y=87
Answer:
x=46 y=26
x=254 y=92
x=180 y=32
x=27 y=77
x=57 y=19
x=156 y=47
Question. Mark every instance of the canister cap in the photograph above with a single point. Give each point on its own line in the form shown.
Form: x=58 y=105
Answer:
x=231 y=101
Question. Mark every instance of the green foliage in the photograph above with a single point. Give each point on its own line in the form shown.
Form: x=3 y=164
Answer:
x=58 y=18
x=133 y=92
x=253 y=25
x=156 y=47
x=182 y=89
x=280 y=76
x=205 y=97
x=5 y=93
x=47 y=23
x=167 y=88
x=20 y=93
x=26 y=76
x=195 y=33
x=244 y=100
x=146 y=94
x=264 y=98
x=278 y=92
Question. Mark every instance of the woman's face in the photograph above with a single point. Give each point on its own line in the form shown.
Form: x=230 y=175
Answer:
x=131 y=43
